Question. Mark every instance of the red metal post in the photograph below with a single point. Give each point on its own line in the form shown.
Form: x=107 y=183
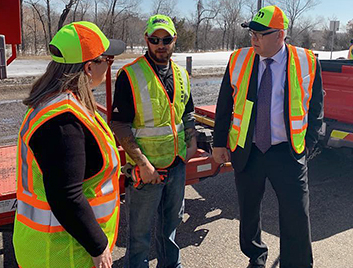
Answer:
x=13 y=55
x=108 y=92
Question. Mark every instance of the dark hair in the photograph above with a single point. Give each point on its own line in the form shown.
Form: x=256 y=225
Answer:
x=59 y=78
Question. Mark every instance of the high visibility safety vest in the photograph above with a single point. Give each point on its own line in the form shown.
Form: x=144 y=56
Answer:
x=158 y=127
x=301 y=74
x=350 y=53
x=39 y=239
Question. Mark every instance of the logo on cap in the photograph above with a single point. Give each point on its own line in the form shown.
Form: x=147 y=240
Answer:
x=260 y=14
x=160 y=21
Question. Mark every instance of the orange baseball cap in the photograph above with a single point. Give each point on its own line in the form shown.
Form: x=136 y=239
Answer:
x=83 y=41
x=270 y=17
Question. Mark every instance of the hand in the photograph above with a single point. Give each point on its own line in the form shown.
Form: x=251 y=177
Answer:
x=190 y=151
x=104 y=260
x=149 y=174
x=221 y=155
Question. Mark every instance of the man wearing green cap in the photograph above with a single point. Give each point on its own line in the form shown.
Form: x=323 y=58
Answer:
x=270 y=109
x=152 y=118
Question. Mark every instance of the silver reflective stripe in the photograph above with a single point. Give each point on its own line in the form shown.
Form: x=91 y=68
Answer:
x=24 y=168
x=108 y=186
x=144 y=94
x=156 y=131
x=24 y=148
x=236 y=122
x=186 y=85
x=299 y=124
x=238 y=65
x=46 y=217
x=304 y=66
x=180 y=127
x=104 y=209
x=40 y=108
x=152 y=131
x=40 y=216
x=34 y=113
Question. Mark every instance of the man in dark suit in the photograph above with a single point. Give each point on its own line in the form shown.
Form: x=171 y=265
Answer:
x=270 y=110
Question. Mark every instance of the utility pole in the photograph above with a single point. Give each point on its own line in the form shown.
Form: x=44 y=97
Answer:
x=259 y=4
x=334 y=27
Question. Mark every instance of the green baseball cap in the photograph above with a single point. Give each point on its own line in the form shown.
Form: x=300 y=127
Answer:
x=270 y=17
x=159 y=21
x=83 y=41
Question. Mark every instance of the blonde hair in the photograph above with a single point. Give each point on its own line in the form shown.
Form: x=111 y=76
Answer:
x=59 y=78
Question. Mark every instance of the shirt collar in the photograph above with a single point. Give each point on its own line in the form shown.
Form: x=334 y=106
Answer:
x=279 y=56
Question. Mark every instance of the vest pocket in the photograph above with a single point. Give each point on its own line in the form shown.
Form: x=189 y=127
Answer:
x=244 y=125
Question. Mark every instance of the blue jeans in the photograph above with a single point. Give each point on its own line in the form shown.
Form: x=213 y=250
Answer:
x=168 y=200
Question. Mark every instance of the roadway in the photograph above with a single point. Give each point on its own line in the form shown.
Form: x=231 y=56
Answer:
x=208 y=236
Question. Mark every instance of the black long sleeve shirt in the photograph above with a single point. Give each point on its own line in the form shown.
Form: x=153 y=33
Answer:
x=67 y=154
x=123 y=104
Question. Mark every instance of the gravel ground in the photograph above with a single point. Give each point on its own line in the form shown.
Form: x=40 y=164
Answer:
x=208 y=236
x=13 y=91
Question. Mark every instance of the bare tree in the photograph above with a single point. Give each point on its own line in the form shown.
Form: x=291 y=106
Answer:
x=81 y=9
x=204 y=12
x=165 y=7
x=294 y=9
x=65 y=12
x=229 y=16
x=40 y=11
x=49 y=19
x=115 y=11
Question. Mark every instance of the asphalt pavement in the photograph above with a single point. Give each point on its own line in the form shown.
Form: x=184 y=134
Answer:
x=208 y=236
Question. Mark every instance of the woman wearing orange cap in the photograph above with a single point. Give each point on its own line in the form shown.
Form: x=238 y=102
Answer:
x=67 y=163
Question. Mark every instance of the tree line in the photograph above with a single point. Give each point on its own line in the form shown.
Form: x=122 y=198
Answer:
x=214 y=25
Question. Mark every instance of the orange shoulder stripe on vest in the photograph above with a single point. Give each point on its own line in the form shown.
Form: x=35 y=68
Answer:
x=312 y=66
x=30 y=158
x=40 y=114
x=102 y=199
x=299 y=75
x=33 y=201
x=243 y=68
x=231 y=68
x=39 y=227
x=290 y=48
x=298 y=131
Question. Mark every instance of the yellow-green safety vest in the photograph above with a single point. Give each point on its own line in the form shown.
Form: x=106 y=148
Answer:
x=301 y=74
x=158 y=127
x=40 y=241
x=350 y=53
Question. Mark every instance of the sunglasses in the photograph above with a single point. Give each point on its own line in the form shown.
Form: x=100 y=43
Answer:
x=155 y=40
x=260 y=35
x=99 y=60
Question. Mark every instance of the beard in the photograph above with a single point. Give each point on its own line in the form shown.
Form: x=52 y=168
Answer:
x=161 y=55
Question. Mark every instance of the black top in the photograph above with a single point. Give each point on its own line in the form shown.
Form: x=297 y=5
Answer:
x=123 y=104
x=67 y=154
x=225 y=108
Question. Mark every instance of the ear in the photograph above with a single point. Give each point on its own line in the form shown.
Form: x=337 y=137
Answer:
x=146 y=38
x=175 y=38
x=281 y=35
x=88 y=68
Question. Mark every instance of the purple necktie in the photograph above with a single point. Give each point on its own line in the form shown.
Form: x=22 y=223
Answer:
x=263 y=115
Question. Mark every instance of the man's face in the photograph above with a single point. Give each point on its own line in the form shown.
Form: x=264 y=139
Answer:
x=162 y=51
x=267 y=43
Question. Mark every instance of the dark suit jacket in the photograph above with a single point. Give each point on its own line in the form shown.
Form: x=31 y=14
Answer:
x=225 y=108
